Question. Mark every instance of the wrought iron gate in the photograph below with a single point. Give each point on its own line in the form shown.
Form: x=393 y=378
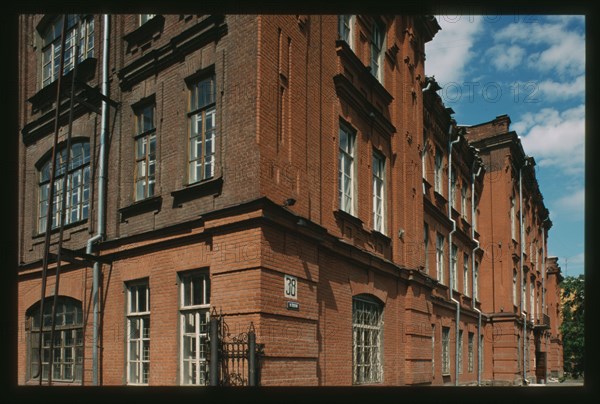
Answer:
x=233 y=360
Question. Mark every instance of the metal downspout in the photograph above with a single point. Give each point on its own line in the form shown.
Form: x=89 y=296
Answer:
x=457 y=319
x=473 y=286
x=101 y=215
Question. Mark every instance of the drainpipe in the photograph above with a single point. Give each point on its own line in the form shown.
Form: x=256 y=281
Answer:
x=473 y=286
x=101 y=215
x=521 y=239
x=450 y=144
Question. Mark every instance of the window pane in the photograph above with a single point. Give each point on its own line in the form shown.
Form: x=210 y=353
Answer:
x=134 y=329
x=197 y=290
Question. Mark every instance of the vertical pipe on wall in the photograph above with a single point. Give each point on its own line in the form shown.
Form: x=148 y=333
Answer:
x=473 y=286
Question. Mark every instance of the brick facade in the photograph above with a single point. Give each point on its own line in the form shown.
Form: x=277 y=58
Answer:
x=284 y=86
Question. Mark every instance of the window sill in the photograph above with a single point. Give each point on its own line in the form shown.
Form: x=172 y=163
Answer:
x=152 y=203
x=57 y=229
x=343 y=215
x=381 y=236
x=439 y=199
x=213 y=186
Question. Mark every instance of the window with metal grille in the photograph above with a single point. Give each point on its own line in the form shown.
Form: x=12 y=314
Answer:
x=445 y=351
x=460 y=351
x=439 y=258
x=346 y=169
x=194 y=320
x=453 y=270
x=138 y=333
x=378 y=192
x=78 y=186
x=203 y=130
x=51 y=45
x=145 y=152
x=471 y=355
x=67 y=350
x=367 y=329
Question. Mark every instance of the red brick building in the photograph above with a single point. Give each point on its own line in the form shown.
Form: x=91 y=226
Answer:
x=515 y=275
x=267 y=167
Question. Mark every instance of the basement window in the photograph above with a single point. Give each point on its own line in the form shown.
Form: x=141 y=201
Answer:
x=367 y=331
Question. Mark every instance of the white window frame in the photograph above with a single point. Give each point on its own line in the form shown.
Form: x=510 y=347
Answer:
x=439 y=162
x=514 y=288
x=513 y=219
x=466 y=274
x=145 y=153
x=445 y=351
x=367 y=340
x=347 y=169
x=139 y=316
x=346 y=29
x=378 y=39
x=463 y=201
x=532 y=299
x=453 y=265
x=194 y=316
x=78 y=186
x=452 y=195
x=379 y=192
x=476 y=286
x=426 y=245
x=202 y=130
x=144 y=18
x=51 y=46
x=439 y=257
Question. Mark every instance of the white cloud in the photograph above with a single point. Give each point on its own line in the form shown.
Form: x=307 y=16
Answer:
x=572 y=203
x=555 y=138
x=559 y=49
x=550 y=90
x=505 y=57
x=450 y=51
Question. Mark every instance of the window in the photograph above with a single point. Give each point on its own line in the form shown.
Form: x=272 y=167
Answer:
x=453 y=257
x=67 y=350
x=194 y=315
x=345 y=29
x=445 y=351
x=138 y=333
x=424 y=159
x=514 y=287
x=537 y=305
x=378 y=192
x=466 y=274
x=145 y=153
x=518 y=353
x=460 y=351
x=202 y=115
x=377 y=48
x=513 y=220
x=452 y=188
x=437 y=183
x=78 y=186
x=463 y=201
x=475 y=213
x=470 y=353
x=433 y=349
x=346 y=170
x=144 y=18
x=476 y=286
x=439 y=258
x=426 y=245
x=532 y=299
x=51 y=46
x=367 y=321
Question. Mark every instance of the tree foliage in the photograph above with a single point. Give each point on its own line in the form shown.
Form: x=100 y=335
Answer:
x=572 y=328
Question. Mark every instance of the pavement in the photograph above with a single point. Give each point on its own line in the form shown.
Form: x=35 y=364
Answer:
x=552 y=382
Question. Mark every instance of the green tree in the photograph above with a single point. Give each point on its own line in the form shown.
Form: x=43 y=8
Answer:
x=572 y=324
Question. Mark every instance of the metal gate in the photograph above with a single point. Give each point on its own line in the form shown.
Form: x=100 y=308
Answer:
x=233 y=360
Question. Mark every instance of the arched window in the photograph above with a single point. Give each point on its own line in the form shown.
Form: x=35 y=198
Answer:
x=67 y=357
x=367 y=332
x=78 y=186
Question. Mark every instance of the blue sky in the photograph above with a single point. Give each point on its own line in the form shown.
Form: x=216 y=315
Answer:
x=531 y=67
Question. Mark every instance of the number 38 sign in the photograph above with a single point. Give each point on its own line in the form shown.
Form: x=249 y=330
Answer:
x=290 y=287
